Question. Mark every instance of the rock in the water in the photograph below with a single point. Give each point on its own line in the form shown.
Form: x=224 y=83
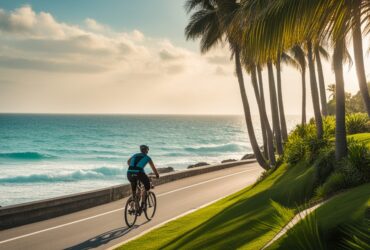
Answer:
x=164 y=170
x=228 y=160
x=199 y=164
x=248 y=156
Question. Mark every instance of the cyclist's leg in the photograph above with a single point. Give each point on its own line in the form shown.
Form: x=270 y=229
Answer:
x=146 y=182
x=132 y=177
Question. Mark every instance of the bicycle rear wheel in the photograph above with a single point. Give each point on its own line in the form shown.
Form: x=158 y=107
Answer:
x=151 y=206
x=130 y=212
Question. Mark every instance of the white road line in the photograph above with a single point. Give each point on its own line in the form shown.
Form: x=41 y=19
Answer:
x=119 y=209
x=203 y=182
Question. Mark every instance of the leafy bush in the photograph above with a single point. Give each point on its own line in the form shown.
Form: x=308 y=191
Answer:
x=314 y=146
x=329 y=126
x=303 y=143
x=295 y=149
x=356 y=166
x=335 y=182
x=357 y=123
x=324 y=164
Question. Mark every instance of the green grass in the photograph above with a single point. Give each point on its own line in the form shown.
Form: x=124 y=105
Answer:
x=348 y=208
x=236 y=221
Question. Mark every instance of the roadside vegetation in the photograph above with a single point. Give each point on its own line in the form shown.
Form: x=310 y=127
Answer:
x=307 y=175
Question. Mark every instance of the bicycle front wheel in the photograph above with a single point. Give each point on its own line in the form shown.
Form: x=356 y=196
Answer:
x=151 y=206
x=130 y=212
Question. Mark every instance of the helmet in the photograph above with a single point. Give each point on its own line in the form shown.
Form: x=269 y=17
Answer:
x=144 y=148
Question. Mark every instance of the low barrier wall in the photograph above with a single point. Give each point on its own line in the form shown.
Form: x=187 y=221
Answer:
x=17 y=215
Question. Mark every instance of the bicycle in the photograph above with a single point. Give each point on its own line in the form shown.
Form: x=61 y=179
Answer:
x=133 y=209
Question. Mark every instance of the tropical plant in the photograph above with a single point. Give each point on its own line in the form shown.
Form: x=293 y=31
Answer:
x=274 y=108
x=210 y=22
x=321 y=52
x=357 y=123
x=300 y=58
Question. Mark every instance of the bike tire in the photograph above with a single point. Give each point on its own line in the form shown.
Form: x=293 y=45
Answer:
x=130 y=216
x=150 y=206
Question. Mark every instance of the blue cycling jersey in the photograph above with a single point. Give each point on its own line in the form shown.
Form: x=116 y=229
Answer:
x=138 y=163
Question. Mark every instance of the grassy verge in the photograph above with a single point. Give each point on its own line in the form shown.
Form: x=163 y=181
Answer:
x=332 y=220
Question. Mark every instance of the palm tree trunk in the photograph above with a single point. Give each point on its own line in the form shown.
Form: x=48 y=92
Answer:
x=252 y=137
x=359 y=59
x=257 y=95
x=303 y=74
x=266 y=132
x=324 y=109
x=274 y=109
x=263 y=107
x=284 y=133
x=340 y=126
x=314 y=92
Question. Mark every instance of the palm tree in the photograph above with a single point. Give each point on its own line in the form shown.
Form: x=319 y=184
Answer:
x=358 y=7
x=320 y=51
x=340 y=129
x=274 y=108
x=283 y=58
x=284 y=23
x=284 y=133
x=263 y=105
x=210 y=23
x=300 y=57
x=266 y=128
x=314 y=91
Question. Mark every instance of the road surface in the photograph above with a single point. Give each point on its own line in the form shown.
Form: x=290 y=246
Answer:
x=103 y=226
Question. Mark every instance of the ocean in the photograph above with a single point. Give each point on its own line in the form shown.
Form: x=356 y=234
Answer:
x=45 y=156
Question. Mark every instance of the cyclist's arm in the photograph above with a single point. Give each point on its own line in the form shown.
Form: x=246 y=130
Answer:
x=128 y=162
x=153 y=168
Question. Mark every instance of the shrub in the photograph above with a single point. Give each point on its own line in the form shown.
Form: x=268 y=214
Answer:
x=357 y=123
x=329 y=126
x=314 y=145
x=334 y=183
x=294 y=149
x=324 y=164
x=356 y=166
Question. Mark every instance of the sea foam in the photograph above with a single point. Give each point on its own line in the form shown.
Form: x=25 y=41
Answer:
x=78 y=175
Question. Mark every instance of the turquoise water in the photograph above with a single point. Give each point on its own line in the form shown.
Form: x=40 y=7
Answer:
x=43 y=156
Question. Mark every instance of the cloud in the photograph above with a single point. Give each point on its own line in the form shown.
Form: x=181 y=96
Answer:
x=94 y=25
x=49 y=65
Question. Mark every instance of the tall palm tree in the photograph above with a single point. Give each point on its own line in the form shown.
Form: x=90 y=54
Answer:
x=283 y=58
x=284 y=133
x=320 y=51
x=358 y=7
x=210 y=23
x=266 y=128
x=340 y=129
x=314 y=91
x=300 y=57
x=262 y=102
x=274 y=108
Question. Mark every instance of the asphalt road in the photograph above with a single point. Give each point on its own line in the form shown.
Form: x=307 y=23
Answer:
x=103 y=226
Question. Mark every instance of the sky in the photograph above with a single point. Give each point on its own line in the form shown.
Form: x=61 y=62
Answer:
x=115 y=56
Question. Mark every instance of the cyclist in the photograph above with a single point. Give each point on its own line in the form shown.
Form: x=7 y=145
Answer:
x=136 y=172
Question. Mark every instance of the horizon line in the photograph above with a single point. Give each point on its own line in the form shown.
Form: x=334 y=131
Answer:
x=143 y=114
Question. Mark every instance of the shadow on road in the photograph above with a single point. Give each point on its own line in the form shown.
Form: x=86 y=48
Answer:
x=102 y=239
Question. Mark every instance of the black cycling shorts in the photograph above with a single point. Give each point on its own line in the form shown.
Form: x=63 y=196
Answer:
x=134 y=177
